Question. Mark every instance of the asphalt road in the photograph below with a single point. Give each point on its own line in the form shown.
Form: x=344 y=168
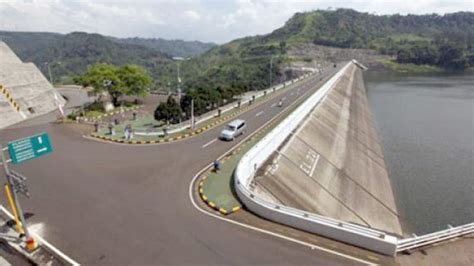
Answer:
x=103 y=203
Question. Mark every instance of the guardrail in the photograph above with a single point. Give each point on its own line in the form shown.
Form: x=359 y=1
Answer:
x=371 y=239
x=430 y=239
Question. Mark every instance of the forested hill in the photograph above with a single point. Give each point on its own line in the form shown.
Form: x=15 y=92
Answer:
x=70 y=54
x=445 y=40
x=176 y=48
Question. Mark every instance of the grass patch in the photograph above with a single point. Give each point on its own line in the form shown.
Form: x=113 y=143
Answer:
x=218 y=187
x=409 y=68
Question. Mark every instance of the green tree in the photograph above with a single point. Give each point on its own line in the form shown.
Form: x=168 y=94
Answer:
x=168 y=111
x=135 y=79
x=117 y=81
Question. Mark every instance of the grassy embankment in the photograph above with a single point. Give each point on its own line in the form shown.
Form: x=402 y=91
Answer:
x=409 y=68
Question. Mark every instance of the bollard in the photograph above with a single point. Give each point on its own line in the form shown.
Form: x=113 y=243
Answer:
x=111 y=129
x=31 y=244
x=134 y=115
x=96 y=126
x=238 y=104
x=265 y=93
x=219 y=112
x=165 y=132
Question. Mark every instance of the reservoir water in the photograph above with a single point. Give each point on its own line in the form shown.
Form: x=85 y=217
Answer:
x=426 y=127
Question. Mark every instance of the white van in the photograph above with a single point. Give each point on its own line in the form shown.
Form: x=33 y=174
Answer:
x=233 y=129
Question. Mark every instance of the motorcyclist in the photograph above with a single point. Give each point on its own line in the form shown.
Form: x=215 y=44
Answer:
x=280 y=103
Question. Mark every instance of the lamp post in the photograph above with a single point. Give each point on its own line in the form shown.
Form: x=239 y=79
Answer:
x=178 y=77
x=49 y=71
x=271 y=70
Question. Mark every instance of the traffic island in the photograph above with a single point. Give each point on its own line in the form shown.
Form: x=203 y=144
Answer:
x=216 y=187
x=119 y=136
x=157 y=137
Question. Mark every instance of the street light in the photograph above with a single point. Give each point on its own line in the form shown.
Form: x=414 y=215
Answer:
x=271 y=70
x=49 y=70
x=178 y=59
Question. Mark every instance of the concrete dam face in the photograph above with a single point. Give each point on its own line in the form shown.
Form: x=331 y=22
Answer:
x=24 y=91
x=333 y=164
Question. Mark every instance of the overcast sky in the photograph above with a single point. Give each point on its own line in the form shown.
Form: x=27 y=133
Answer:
x=204 y=20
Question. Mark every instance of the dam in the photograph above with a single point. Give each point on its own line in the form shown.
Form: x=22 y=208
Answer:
x=333 y=164
x=322 y=170
x=24 y=92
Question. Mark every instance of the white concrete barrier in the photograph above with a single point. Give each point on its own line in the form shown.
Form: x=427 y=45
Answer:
x=361 y=236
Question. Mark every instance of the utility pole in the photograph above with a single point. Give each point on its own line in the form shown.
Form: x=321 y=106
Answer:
x=179 y=83
x=192 y=113
x=50 y=76
x=50 y=73
x=271 y=69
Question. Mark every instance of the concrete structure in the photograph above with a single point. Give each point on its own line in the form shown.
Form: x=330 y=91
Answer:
x=24 y=91
x=331 y=165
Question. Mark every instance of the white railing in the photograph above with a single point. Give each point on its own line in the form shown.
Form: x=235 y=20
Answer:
x=346 y=232
x=436 y=237
x=224 y=109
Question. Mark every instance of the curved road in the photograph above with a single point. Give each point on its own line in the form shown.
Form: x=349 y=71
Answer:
x=103 y=203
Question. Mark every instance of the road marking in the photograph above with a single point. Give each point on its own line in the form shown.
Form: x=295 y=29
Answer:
x=4 y=262
x=314 y=166
x=259 y=114
x=209 y=143
x=312 y=246
x=273 y=105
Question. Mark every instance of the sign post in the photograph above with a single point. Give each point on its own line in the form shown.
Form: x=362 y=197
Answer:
x=22 y=150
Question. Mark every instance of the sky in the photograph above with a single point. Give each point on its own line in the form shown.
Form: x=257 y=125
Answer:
x=217 y=21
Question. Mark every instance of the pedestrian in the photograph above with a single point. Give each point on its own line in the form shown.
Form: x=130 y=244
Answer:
x=126 y=133
x=217 y=166
x=111 y=129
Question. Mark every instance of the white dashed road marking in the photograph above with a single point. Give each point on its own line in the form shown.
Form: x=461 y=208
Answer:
x=209 y=143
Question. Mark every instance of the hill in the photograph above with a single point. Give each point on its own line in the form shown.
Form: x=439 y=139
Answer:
x=70 y=54
x=446 y=41
x=309 y=39
x=177 y=48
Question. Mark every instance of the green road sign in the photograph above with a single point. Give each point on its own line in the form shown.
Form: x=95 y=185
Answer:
x=29 y=148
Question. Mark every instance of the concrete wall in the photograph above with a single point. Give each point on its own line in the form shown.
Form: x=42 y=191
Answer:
x=353 y=234
x=333 y=164
x=28 y=88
